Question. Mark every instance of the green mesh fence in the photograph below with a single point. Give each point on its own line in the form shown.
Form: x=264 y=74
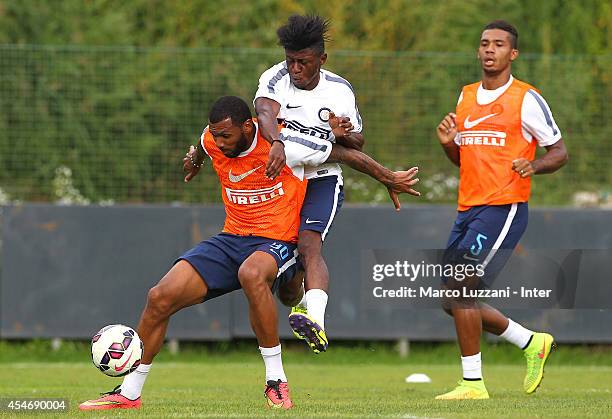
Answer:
x=111 y=124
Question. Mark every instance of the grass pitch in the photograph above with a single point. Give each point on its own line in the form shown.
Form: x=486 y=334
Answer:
x=350 y=383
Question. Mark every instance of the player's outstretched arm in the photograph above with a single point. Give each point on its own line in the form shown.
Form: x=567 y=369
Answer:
x=447 y=131
x=396 y=182
x=192 y=162
x=556 y=156
x=267 y=113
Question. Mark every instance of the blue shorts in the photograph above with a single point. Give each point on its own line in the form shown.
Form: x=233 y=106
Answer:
x=324 y=198
x=486 y=235
x=218 y=259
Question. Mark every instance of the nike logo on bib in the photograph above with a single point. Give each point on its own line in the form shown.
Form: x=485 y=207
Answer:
x=293 y=107
x=234 y=178
x=471 y=124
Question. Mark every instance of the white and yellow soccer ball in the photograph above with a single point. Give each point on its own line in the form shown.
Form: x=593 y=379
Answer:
x=116 y=350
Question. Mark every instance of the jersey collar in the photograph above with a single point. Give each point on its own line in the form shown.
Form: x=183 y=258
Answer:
x=489 y=96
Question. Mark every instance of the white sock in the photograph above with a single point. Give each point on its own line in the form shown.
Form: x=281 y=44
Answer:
x=133 y=382
x=316 y=301
x=517 y=334
x=274 y=363
x=472 y=367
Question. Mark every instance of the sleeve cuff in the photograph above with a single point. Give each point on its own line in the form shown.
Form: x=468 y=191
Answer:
x=550 y=141
x=268 y=96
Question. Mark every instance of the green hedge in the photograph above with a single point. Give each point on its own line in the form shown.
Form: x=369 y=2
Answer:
x=89 y=122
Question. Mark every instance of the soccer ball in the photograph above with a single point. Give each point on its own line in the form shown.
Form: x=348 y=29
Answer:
x=116 y=350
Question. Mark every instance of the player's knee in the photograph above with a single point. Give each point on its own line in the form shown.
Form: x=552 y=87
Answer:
x=159 y=302
x=251 y=277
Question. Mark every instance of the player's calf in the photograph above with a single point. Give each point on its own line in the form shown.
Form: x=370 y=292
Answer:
x=309 y=248
x=291 y=293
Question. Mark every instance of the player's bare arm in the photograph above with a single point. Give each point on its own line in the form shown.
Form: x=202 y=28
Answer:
x=267 y=112
x=192 y=162
x=556 y=156
x=353 y=140
x=447 y=131
x=346 y=137
x=396 y=182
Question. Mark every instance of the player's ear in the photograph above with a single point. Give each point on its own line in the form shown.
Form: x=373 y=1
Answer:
x=248 y=126
x=323 y=58
x=514 y=54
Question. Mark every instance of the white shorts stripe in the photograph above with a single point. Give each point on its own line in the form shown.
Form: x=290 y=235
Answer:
x=334 y=209
x=502 y=235
x=288 y=264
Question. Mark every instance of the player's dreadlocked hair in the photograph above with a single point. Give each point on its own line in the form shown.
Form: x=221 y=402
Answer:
x=229 y=107
x=505 y=26
x=301 y=32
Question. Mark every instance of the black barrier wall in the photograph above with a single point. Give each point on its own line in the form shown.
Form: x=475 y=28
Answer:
x=68 y=271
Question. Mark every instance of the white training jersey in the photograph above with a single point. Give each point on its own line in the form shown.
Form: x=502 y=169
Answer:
x=536 y=118
x=307 y=111
x=301 y=150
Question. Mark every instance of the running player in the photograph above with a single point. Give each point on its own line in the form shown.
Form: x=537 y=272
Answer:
x=257 y=249
x=492 y=137
x=302 y=94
